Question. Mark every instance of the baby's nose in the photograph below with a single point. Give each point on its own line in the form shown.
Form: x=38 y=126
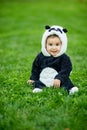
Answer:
x=54 y=47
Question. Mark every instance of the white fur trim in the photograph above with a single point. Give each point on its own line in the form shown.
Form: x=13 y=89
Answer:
x=47 y=76
x=62 y=36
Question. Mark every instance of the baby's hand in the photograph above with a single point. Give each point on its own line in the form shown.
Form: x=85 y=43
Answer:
x=30 y=81
x=56 y=83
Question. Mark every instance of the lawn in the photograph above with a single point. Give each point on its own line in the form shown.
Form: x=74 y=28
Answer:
x=21 y=28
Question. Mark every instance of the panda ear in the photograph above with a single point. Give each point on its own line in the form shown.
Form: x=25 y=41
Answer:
x=65 y=30
x=47 y=27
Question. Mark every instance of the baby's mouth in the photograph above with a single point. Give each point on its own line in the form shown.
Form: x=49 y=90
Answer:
x=54 y=51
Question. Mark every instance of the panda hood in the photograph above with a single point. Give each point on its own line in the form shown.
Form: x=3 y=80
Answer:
x=60 y=32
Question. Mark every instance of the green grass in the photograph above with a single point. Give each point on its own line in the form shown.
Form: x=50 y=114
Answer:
x=21 y=28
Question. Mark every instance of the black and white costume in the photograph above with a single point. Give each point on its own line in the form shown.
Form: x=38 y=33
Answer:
x=46 y=68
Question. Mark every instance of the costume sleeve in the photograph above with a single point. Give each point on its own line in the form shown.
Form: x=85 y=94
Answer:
x=66 y=67
x=35 y=69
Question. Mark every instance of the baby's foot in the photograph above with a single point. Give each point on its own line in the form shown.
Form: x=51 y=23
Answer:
x=73 y=90
x=36 y=90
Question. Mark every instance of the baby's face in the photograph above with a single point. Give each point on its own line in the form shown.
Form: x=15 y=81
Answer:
x=53 y=45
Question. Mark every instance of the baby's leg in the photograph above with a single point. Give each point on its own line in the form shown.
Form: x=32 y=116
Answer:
x=38 y=86
x=67 y=84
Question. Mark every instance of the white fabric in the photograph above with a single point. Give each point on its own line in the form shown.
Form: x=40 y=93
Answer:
x=47 y=76
x=62 y=37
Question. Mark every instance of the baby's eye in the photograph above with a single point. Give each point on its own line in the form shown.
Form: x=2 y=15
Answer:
x=57 y=44
x=50 y=44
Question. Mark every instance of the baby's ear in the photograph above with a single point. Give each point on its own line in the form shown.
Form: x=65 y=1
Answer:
x=65 y=30
x=47 y=27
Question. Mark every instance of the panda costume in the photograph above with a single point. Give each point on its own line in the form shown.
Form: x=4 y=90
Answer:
x=46 y=68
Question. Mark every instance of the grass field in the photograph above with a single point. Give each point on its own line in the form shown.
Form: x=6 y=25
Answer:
x=21 y=28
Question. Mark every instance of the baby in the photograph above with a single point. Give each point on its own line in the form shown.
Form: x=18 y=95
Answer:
x=52 y=67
